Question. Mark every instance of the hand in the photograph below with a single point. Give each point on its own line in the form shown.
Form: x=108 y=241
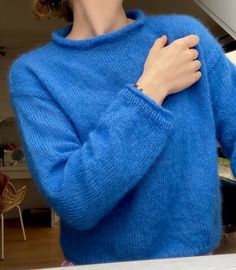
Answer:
x=170 y=69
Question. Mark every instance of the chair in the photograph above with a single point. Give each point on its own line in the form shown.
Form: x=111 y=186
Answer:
x=9 y=199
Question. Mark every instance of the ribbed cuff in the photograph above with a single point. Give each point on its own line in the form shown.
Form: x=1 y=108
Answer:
x=148 y=105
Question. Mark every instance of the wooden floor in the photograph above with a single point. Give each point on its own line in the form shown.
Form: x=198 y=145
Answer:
x=42 y=249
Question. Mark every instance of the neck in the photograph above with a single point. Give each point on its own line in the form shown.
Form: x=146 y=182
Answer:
x=92 y=18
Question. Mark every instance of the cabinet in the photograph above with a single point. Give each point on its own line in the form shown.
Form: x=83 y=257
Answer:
x=19 y=173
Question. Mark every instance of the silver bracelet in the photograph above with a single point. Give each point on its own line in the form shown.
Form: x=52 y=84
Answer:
x=139 y=88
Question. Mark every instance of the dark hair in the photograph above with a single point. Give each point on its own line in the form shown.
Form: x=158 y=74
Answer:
x=58 y=8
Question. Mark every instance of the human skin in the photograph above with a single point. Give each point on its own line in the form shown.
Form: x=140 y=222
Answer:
x=167 y=69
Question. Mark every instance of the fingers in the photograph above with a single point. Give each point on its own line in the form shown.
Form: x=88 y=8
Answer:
x=193 y=53
x=198 y=75
x=196 y=65
x=188 y=41
x=160 y=42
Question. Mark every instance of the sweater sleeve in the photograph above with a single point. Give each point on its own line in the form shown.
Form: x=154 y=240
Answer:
x=82 y=182
x=221 y=74
x=222 y=78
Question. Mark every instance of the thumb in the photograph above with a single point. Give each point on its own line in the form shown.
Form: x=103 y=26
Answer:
x=161 y=42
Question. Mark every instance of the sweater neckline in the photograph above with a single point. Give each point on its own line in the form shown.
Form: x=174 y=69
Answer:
x=59 y=35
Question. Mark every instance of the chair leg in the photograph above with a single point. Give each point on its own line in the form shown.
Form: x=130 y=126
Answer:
x=21 y=222
x=2 y=237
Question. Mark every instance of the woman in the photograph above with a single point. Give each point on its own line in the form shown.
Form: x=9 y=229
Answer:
x=119 y=127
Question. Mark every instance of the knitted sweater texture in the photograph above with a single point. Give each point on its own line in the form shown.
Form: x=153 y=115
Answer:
x=130 y=179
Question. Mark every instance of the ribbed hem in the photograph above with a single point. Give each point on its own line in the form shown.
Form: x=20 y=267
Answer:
x=173 y=253
x=72 y=254
x=148 y=105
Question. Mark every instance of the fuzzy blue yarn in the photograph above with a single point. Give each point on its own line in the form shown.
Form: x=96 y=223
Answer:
x=129 y=178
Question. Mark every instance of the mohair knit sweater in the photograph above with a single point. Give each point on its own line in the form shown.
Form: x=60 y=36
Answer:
x=129 y=178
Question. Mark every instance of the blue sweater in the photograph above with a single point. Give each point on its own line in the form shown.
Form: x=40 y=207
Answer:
x=129 y=178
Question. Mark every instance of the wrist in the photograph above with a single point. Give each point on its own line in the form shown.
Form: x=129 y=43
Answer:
x=159 y=94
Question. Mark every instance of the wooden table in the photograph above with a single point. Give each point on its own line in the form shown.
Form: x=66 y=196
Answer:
x=211 y=262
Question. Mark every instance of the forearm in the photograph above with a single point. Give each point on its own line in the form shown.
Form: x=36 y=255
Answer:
x=84 y=183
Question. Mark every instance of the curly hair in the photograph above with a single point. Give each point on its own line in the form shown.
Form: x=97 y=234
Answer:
x=58 y=8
